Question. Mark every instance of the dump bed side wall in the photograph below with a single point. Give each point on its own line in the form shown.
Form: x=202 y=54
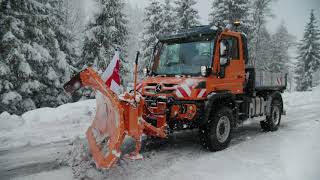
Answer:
x=268 y=80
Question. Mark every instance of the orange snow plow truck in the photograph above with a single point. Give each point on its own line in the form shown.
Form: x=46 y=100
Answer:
x=198 y=78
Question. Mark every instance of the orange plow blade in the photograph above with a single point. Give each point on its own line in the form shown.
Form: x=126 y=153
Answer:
x=107 y=125
x=115 y=118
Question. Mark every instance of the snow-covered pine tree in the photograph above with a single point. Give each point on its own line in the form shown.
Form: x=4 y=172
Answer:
x=186 y=14
x=263 y=52
x=308 y=55
x=219 y=15
x=261 y=10
x=168 y=22
x=225 y=12
x=66 y=36
x=106 y=33
x=135 y=28
x=34 y=65
x=281 y=41
x=152 y=29
x=74 y=20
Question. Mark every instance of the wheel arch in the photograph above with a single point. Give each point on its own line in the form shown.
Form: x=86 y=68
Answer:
x=216 y=100
x=275 y=95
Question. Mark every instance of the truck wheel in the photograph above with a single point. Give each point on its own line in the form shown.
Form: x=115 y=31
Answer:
x=216 y=134
x=272 y=122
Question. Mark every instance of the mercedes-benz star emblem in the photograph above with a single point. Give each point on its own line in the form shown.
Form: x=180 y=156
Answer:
x=158 y=88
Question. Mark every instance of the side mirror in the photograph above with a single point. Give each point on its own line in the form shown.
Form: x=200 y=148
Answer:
x=224 y=53
x=145 y=71
x=203 y=70
x=224 y=61
x=223 y=48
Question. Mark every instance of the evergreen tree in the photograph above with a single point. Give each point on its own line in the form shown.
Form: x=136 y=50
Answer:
x=186 y=15
x=66 y=36
x=219 y=14
x=104 y=35
x=135 y=27
x=281 y=41
x=309 y=55
x=168 y=23
x=225 y=12
x=35 y=58
x=153 y=28
x=261 y=10
x=74 y=20
x=263 y=51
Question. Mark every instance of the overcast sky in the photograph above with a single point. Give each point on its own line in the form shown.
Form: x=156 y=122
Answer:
x=294 y=13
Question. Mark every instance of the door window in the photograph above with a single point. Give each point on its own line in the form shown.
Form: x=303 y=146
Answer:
x=233 y=47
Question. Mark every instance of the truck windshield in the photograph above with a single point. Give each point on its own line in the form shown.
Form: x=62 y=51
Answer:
x=184 y=58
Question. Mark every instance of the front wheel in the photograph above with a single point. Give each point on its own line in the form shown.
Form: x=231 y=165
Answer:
x=272 y=122
x=216 y=134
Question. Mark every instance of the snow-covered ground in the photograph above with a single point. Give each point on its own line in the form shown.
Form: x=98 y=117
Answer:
x=293 y=152
x=46 y=125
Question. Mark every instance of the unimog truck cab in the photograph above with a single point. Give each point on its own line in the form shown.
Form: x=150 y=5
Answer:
x=200 y=78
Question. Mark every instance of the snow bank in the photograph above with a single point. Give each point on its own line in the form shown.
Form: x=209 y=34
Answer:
x=294 y=99
x=46 y=125
x=9 y=122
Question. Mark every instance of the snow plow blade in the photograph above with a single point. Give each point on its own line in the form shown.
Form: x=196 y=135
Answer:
x=116 y=116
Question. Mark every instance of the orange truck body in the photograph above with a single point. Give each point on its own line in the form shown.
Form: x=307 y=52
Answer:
x=164 y=104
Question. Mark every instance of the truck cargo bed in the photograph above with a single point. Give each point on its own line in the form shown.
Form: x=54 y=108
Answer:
x=268 y=80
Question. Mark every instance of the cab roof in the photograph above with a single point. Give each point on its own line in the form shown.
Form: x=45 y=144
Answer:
x=193 y=32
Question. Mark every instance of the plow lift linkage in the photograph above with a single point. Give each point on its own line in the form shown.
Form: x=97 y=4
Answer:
x=116 y=116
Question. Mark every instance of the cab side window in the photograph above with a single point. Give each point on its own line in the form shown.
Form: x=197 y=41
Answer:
x=233 y=49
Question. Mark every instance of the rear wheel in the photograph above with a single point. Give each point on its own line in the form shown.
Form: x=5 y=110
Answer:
x=272 y=122
x=216 y=134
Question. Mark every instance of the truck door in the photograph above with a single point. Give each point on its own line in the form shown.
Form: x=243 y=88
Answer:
x=232 y=66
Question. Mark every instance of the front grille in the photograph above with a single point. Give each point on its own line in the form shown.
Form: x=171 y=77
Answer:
x=167 y=88
x=152 y=84
x=169 y=85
